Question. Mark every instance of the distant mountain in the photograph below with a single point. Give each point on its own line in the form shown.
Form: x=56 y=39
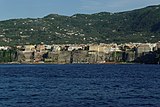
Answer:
x=141 y=25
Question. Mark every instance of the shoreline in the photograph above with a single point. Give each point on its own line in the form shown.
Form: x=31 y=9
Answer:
x=28 y=63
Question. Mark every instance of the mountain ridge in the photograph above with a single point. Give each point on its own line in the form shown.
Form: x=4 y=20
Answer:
x=140 y=25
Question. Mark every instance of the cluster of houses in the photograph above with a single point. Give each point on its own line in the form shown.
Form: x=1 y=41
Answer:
x=82 y=53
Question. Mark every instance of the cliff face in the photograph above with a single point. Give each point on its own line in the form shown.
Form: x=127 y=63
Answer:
x=131 y=26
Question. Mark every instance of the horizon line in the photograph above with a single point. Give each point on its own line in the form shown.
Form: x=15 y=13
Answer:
x=80 y=13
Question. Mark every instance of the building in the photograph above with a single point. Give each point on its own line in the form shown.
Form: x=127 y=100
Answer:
x=144 y=48
x=29 y=48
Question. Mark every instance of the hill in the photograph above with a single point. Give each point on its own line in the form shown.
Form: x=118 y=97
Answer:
x=141 y=25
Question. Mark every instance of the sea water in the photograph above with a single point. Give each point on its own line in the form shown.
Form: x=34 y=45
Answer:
x=79 y=85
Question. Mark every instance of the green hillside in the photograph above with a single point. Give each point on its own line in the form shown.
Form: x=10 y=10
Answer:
x=141 y=25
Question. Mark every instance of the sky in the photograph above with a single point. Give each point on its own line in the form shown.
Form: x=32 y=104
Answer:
x=11 y=9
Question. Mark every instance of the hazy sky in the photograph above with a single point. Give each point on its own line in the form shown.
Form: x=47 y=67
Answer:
x=39 y=8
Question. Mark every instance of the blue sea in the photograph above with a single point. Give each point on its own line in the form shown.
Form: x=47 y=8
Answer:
x=79 y=85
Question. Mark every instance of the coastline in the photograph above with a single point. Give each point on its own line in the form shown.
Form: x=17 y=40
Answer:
x=45 y=63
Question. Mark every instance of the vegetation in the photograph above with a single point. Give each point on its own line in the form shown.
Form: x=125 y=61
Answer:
x=8 y=56
x=149 y=58
x=142 y=25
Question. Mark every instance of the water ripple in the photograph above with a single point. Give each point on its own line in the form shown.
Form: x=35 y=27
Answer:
x=79 y=86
